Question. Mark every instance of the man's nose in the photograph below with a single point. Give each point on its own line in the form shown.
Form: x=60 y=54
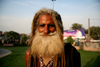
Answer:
x=46 y=30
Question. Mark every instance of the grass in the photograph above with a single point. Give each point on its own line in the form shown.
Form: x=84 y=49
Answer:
x=17 y=58
x=90 y=59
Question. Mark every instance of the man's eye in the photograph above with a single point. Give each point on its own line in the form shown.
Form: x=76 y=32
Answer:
x=41 y=25
x=52 y=25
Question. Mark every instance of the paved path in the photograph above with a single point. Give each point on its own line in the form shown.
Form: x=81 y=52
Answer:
x=4 y=52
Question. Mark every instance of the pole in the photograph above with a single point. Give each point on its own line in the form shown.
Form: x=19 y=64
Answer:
x=53 y=4
x=89 y=28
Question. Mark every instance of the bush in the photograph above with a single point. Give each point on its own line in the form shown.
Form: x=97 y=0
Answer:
x=23 y=43
x=19 y=44
x=99 y=43
x=16 y=44
x=69 y=40
x=1 y=43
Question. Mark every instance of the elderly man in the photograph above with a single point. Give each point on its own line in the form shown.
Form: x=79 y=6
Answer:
x=46 y=43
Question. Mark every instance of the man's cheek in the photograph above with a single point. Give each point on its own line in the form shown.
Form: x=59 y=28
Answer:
x=40 y=30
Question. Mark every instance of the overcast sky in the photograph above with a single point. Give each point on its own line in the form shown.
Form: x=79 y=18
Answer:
x=17 y=15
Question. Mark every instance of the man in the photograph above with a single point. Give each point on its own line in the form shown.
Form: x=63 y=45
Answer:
x=78 y=36
x=47 y=48
x=78 y=33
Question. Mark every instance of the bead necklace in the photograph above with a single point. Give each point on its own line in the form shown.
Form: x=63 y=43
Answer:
x=48 y=65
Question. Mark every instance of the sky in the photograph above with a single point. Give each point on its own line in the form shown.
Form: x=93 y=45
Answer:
x=17 y=15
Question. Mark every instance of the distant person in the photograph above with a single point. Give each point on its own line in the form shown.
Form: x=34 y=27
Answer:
x=46 y=43
x=78 y=33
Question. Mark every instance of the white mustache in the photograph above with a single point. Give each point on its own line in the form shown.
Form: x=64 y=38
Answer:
x=50 y=34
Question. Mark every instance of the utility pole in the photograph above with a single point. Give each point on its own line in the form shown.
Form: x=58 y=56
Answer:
x=88 y=28
x=53 y=3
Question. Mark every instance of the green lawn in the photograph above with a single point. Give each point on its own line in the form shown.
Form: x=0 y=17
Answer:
x=17 y=58
x=90 y=59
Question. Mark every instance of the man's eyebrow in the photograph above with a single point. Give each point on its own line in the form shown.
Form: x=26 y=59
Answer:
x=41 y=24
x=52 y=24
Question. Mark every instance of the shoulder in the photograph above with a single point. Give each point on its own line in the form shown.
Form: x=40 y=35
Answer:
x=27 y=56
x=27 y=51
x=72 y=55
x=68 y=46
x=70 y=49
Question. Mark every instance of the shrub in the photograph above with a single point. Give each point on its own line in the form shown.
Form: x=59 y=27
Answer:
x=99 y=43
x=69 y=40
x=23 y=43
x=1 y=43
x=16 y=44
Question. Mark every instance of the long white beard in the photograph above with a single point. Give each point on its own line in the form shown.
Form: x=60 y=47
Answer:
x=47 y=46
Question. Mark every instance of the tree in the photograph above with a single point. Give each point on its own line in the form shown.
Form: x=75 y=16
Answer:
x=24 y=39
x=76 y=26
x=12 y=35
x=86 y=31
x=95 y=32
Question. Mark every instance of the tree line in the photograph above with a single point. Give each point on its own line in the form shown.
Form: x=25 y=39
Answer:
x=16 y=38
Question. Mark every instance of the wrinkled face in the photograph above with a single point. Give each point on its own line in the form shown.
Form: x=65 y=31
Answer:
x=46 y=41
x=46 y=24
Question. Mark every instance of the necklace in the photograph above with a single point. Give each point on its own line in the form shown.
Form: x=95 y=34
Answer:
x=43 y=65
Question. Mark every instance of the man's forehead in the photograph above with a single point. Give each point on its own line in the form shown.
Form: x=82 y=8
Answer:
x=43 y=16
x=46 y=18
